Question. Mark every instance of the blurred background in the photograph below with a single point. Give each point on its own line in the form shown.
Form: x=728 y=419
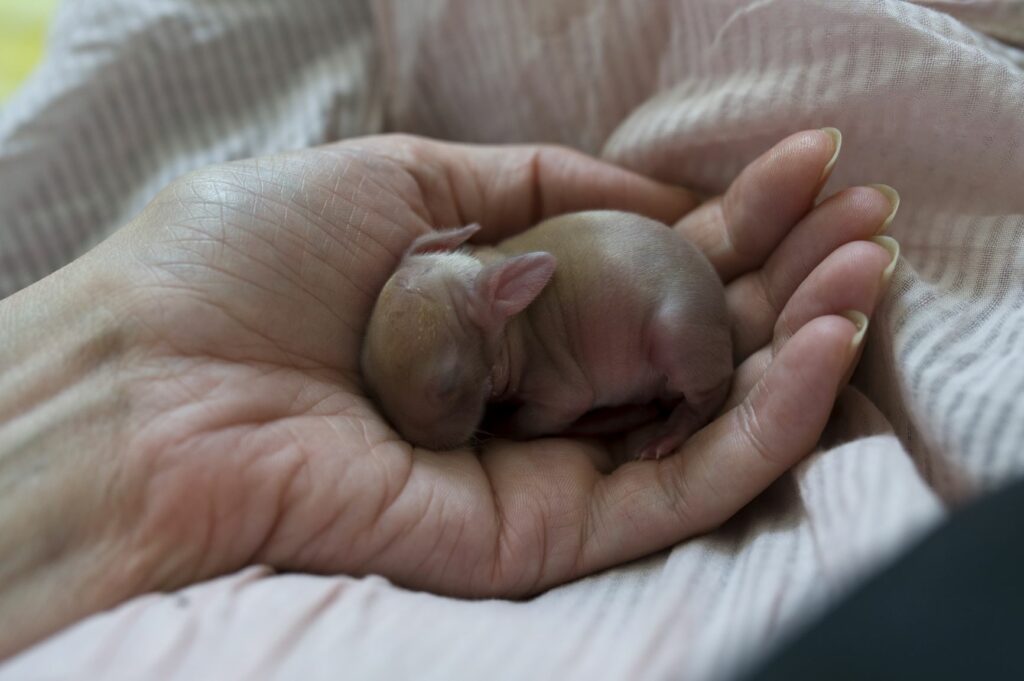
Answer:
x=23 y=26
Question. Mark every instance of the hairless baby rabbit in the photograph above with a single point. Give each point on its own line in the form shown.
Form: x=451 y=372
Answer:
x=583 y=311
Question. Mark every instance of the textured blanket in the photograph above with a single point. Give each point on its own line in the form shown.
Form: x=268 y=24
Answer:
x=930 y=99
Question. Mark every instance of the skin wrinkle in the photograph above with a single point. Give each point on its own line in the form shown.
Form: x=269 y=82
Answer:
x=543 y=540
x=501 y=523
x=241 y=515
x=190 y=395
x=310 y=263
x=300 y=280
x=454 y=545
x=305 y=173
x=485 y=200
x=271 y=242
x=248 y=256
x=342 y=176
x=360 y=228
x=211 y=191
x=381 y=549
x=397 y=470
x=387 y=505
x=765 y=291
x=355 y=244
x=428 y=219
x=312 y=217
x=481 y=559
x=174 y=438
x=318 y=546
x=674 y=486
x=400 y=171
x=715 y=494
x=588 y=527
x=536 y=200
x=246 y=427
x=332 y=522
x=314 y=409
x=321 y=212
x=202 y=235
x=231 y=275
x=513 y=539
x=410 y=162
x=407 y=529
x=286 y=480
x=243 y=325
x=601 y=506
x=750 y=426
x=461 y=187
x=277 y=241
x=460 y=214
x=519 y=525
x=193 y=366
x=160 y=517
x=580 y=518
x=325 y=228
x=499 y=526
x=209 y=267
x=441 y=199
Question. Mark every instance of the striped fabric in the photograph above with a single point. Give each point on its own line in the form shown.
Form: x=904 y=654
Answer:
x=133 y=94
x=930 y=98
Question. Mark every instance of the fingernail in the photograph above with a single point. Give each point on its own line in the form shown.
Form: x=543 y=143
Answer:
x=894 y=203
x=893 y=246
x=837 y=144
x=860 y=320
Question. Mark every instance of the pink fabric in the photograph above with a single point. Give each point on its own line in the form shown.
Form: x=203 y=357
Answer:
x=929 y=101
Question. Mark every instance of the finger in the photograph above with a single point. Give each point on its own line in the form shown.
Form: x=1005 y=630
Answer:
x=852 y=278
x=756 y=298
x=646 y=506
x=509 y=188
x=739 y=230
x=525 y=184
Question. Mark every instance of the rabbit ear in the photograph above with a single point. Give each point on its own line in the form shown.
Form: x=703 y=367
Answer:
x=442 y=240
x=504 y=289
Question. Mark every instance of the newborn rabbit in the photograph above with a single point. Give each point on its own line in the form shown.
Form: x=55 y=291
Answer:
x=584 y=311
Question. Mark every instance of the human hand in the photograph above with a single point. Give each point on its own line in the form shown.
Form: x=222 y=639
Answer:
x=235 y=429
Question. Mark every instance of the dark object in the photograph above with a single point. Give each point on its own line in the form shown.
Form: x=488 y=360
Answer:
x=951 y=608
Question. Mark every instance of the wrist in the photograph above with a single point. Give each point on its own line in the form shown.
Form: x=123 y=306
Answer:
x=65 y=548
